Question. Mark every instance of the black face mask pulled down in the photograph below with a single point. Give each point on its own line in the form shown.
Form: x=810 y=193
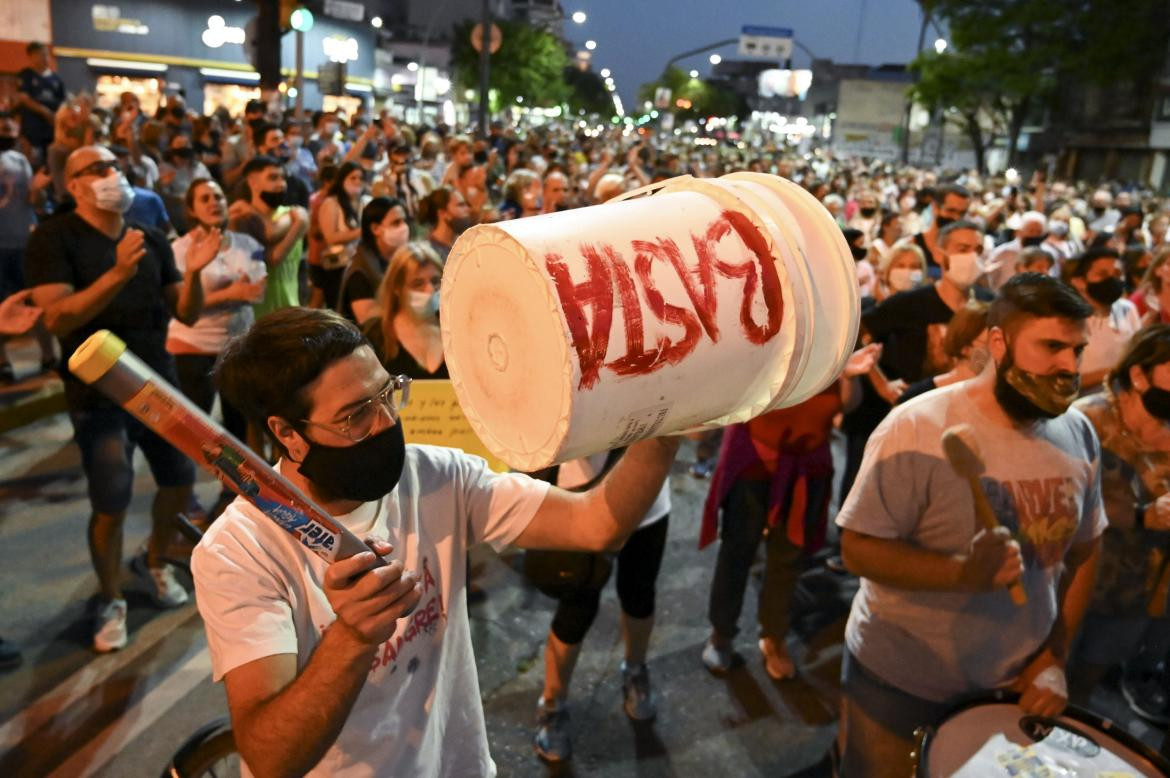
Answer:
x=942 y=221
x=1032 y=240
x=1156 y=401
x=273 y=199
x=365 y=471
x=1028 y=397
x=1106 y=291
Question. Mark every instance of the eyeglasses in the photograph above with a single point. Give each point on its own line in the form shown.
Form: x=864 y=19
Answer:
x=361 y=421
x=100 y=168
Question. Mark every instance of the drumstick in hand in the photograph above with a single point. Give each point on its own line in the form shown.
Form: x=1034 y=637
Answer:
x=962 y=451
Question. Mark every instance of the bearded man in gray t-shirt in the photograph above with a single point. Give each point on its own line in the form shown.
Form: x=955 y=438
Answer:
x=933 y=621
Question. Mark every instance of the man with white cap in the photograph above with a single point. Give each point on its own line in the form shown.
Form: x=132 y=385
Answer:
x=1030 y=231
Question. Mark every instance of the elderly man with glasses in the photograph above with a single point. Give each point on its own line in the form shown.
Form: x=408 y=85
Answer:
x=90 y=270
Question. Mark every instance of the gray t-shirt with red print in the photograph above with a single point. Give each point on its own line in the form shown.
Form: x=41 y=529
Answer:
x=1044 y=484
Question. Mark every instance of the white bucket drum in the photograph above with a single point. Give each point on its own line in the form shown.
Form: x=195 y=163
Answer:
x=993 y=737
x=689 y=304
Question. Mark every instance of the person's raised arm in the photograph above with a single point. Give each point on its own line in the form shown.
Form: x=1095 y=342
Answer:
x=186 y=299
x=66 y=308
x=284 y=721
x=298 y=224
x=603 y=517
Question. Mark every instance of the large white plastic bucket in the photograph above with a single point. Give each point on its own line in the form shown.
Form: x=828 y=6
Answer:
x=693 y=303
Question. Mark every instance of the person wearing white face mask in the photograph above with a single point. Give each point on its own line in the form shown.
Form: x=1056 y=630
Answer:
x=385 y=229
x=900 y=269
x=406 y=337
x=90 y=270
x=910 y=326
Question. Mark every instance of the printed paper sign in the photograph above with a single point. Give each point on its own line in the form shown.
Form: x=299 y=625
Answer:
x=433 y=418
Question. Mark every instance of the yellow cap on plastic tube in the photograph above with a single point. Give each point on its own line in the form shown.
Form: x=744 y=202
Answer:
x=94 y=358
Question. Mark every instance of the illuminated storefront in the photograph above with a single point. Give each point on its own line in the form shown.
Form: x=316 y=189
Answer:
x=197 y=49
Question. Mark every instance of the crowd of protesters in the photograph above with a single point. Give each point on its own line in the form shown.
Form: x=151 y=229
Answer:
x=180 y=231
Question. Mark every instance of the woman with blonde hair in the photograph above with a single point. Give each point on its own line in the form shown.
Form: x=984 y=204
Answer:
x=1152 y=297
x=522 y=195
x=406 y=336
x=900 y=269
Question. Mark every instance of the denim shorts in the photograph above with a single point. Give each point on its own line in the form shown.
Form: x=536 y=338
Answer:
x=107 y=438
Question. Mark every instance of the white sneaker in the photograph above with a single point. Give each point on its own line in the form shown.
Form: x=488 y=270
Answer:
x=168 y=592
x=109 y=632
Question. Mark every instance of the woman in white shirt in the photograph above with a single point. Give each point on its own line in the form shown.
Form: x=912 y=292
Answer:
x=231 y=283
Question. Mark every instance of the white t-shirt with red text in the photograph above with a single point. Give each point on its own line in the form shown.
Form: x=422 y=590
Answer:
x=260 y=594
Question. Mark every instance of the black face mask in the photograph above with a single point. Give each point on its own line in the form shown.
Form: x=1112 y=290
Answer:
x=868 y=212
x=858 y=252
x=365 y=471
x=1156 y=401
x=7 y=144
x=1028 y=397
x=1035 y=240
x=459 y=226
x=273 y=199
x=1107 y=291
x=942 y=221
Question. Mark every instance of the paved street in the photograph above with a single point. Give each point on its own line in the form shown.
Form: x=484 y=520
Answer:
x=69 y=712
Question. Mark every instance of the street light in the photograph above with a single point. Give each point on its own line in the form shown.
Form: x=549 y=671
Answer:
x=412 y=66
x=940 y=45
x=605 y=72
x=376 y=22
x=579 y=17
x=694 y=74
x=715 y=59
x=591 y=45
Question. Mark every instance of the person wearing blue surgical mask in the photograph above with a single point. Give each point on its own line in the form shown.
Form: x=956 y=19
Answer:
x=406 y=337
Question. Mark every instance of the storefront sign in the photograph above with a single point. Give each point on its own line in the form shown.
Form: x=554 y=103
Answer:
x=218 y=33
x=339 y=48
x=341 y=9
x=108 y=18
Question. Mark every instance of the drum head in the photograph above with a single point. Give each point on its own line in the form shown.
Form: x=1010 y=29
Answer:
x=995 y=738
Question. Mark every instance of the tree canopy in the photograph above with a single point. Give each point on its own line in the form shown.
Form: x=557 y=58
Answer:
x=530 y=64
x=1007 y=58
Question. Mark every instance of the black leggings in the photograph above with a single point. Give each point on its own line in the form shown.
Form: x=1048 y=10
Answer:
x=195 y=380
x=637 y=571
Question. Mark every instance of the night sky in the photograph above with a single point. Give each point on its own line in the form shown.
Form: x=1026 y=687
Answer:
x=635 y=38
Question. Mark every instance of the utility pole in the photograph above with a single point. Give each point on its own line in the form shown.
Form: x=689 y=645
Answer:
x=485 y=54
x=910 y=101
x=268 y=48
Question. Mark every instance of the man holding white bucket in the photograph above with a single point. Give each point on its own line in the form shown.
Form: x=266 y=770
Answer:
x=353 y=668
x=932 y=621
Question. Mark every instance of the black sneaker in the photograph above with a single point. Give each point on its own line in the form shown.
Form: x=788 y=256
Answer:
x=10 y=657
x=552 y=732
x=637 y=698
x=1148 y=694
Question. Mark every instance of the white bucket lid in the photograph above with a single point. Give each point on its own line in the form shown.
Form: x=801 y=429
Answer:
x=499 y=362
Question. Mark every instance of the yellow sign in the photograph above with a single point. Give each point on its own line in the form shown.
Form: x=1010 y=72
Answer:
x=433 y=417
